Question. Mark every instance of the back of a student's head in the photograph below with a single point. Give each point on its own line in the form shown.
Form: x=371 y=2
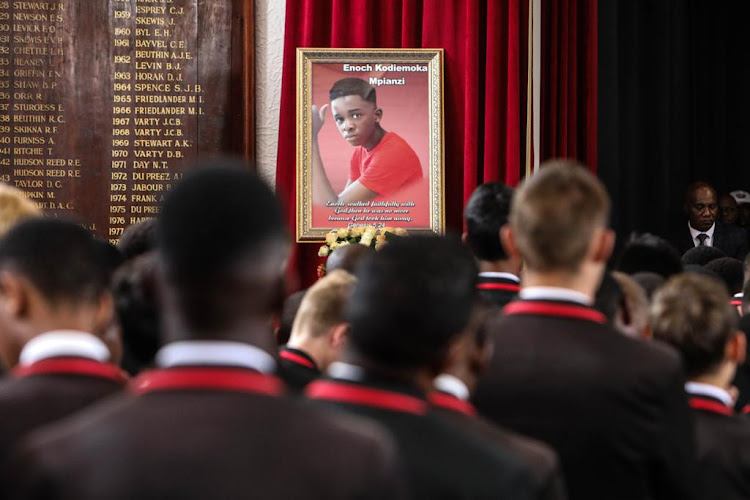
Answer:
x=701 y=255
x=15 y=207
x=609 y=298
x=555 y=214
x=411 y=299
x=730 y=272
x=137 y=305
x=347 y=258
x=62 y=260
x=324 y=305
x=486 y=212
x=138 y=239
x=746 y=299
x=288 y=313
x=223 y=242
x=650 y=253
x=632 y=317
x=692 y=313
x=650 y=282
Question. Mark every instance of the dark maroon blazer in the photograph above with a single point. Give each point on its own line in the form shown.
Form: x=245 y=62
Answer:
x=297 y=368
x=612 y=407
x=497 y=291
x=547 y=480
x=47 y=391
x=441 y=459
x=206 y=432
x=722 y=450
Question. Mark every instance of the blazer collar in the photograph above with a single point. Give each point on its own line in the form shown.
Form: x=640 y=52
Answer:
x=298 y=357
x=72 y=366
x=207 y=378
x=559 y=309
x=709 y=398
x=446 y=401
x=382 y=396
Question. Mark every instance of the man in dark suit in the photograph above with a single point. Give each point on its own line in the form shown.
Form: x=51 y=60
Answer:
x=209 y=423
x=411 y=299
x=701 y=207
x=468 y=356
x=319 y=332
x=55 y=307
x=613 y=407
x=485 y=214
x=691 y=313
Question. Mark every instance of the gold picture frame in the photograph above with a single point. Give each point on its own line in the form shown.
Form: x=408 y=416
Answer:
x=393 y=176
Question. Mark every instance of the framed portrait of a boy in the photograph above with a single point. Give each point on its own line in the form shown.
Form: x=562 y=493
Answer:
x=369 y=140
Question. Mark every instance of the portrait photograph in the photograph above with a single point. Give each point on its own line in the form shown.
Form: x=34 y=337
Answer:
x=369 y=140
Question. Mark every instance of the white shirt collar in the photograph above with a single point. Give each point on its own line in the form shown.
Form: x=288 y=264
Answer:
x=554 y=293
x=710 y=232
x=452 y=385
x=346 y=371
x=215 y=352
x=713 y=391
x=59 y=343
x=507 y=276
x=738 y=295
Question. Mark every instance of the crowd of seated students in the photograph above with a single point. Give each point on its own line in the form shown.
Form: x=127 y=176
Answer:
x=508 y=363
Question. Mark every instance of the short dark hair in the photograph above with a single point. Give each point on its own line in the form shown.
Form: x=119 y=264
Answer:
x=353 y=86
x=137 y=305
x=746 y=299
x=649 y=281
x=219 y=217
x=693 y=314
x=609 y=298
x=288 y=313
x=347 y=258
x=61 y=259
x=412 y=297
x=649 y=253
x=138 y=238
x=486 y=212
x=701 y=255
x=730 y=271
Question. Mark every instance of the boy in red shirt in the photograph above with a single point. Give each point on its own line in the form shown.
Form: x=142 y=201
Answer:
x=382 y=163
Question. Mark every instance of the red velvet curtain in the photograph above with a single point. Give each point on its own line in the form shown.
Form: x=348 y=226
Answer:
x=485 y=84
x=569 y=77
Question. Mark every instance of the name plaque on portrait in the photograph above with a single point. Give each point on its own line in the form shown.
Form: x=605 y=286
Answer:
x=104 y=104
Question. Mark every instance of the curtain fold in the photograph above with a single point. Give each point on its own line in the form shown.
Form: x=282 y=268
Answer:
x=484 y=86
x=673 y=106
x=569 y=80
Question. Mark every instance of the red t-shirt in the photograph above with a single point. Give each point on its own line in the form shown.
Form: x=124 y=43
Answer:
x=391 y=165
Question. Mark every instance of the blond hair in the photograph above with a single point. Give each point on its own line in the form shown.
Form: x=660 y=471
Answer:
x=15 y=207
x=555 y=213
x=324 y=304
x=693 y=314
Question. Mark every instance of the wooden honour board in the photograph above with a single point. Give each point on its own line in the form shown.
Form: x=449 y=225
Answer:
x=105 y=103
